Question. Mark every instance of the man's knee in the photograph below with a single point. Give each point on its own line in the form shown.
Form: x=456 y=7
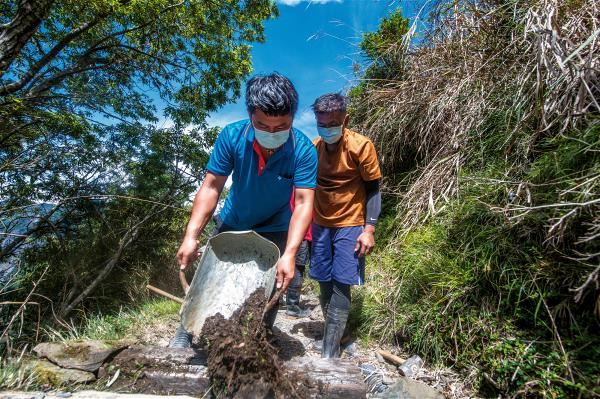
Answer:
x=341 y=297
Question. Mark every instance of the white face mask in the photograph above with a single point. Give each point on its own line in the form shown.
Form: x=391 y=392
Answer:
x=271 y=140
x=331 y=135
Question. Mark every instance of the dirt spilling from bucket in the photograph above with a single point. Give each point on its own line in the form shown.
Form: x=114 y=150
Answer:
x=241 y=361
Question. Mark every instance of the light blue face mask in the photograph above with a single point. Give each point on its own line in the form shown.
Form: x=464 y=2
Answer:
x=271 y=140
x=330 y=135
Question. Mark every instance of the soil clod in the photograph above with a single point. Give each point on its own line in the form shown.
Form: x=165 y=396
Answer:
x=242 y=362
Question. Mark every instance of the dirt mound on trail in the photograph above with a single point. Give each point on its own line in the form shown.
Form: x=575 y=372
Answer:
x=241 y=361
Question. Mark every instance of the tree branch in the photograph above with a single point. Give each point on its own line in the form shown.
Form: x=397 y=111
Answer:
x=36 y=226
x=592 y=279
x=30 y=76
x=17 y=129
x=82 y=65
x=23 y=304
x=15 y=34
x=128 y=238
x=48 y=57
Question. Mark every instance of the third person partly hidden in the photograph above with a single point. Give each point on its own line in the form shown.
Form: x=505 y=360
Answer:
x=347 y=205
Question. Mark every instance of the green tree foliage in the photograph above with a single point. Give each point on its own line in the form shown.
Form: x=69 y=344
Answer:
x=106 y=56
x=384 y=51
x=88 y=67
x=90 y=188
x=384 y=48
x=131 y=231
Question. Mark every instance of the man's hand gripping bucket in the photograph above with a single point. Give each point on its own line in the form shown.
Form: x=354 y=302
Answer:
x=231 y=268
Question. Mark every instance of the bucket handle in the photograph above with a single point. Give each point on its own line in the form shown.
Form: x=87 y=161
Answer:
x=182 y=279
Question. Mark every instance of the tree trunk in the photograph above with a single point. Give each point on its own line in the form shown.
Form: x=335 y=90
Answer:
x=47 y=58
x=16 y=33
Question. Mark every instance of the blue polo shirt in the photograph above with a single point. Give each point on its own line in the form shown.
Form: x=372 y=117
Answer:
x=261 y=202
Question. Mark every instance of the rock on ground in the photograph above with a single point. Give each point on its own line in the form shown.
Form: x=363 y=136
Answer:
x=84 y=355
x=296 y=337
x=48 y=373
x=406 y=388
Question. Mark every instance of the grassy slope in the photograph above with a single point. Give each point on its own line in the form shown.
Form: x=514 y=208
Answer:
x=491 y=149
x=472 y=289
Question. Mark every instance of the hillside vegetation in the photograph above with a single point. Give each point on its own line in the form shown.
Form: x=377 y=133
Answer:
x=486 y=117
x=488 y=127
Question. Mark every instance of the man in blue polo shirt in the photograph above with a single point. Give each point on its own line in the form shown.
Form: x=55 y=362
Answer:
x=268 y=158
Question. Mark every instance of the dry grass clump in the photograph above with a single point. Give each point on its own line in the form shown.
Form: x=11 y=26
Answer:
x=536 y=62
x=490 y=138
x=493 y=80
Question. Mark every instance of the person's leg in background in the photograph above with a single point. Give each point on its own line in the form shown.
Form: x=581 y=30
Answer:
x=321 y=263
x=347 y=270
x=292 y=299
x=335 y=321
x=278 y=238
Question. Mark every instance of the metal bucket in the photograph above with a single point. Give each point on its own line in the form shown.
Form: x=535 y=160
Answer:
x=233 y=266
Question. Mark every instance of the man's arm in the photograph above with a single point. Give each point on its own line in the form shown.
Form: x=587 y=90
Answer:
x=373 y=201
x=301 y=219
x=205 y=203
x=366 y=241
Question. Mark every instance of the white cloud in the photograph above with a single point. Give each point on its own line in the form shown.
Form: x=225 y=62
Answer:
x=165 y=123
x=305 y=121
x=222 y=119
x=293 y=3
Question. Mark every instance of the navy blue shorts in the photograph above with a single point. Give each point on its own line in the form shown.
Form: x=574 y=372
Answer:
x=333 y=256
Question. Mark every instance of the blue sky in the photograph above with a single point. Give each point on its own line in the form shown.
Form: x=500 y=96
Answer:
x=315 y=44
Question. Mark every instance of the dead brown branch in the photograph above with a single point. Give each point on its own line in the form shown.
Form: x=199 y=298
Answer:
x=24 y=303
x=591 y=281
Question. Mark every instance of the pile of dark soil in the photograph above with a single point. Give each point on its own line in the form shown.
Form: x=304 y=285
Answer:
x=241 y=361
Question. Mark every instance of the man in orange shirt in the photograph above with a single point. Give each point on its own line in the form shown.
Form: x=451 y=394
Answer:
x=347 y=205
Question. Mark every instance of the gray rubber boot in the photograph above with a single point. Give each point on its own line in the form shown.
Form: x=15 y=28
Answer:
x=182 y=339
x=335 y=323
x=292 y=298
x=324 y=306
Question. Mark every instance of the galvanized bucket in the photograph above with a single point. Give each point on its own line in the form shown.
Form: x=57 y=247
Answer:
x=233 y=266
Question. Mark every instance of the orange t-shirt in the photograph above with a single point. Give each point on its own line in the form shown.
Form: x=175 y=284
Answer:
x=340 y=197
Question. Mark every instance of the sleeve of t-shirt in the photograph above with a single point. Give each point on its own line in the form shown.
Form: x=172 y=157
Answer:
x=368 y=162
x=305 y=173
x=221 y=158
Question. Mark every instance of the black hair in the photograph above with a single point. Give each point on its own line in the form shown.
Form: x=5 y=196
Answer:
x=273 y=94
x=331 y=102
